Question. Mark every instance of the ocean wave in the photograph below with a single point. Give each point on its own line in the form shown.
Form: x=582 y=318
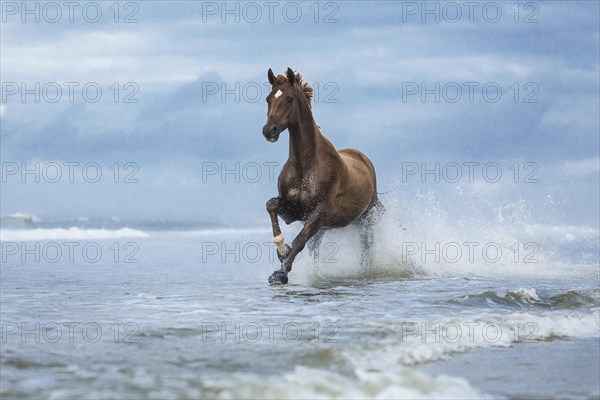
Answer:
x=72 y=233
x=305 y=382
x=528 y=298
x=19 y=221
x=426 y=340
x=382 y=368
x=29 y=218
x=223 y=231
x=302 y=382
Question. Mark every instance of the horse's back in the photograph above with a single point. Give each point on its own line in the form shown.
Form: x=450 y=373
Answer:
x=360 y=186
x=357 y=162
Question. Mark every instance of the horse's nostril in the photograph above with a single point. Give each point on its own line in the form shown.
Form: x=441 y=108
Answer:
x=273 y=129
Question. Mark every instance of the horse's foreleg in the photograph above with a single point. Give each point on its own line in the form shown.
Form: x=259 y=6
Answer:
x=273 y=206
x=311 y=227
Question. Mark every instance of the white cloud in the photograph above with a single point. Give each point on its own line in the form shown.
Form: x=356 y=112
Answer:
x=92 y=56
x=582 y=167
x=563 y=234
x=575 y=113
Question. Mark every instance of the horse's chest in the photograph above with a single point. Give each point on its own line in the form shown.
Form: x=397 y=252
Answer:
x=300 y=193
x=299 y=189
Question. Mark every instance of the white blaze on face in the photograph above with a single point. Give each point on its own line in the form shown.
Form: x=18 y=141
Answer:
x=279 y=93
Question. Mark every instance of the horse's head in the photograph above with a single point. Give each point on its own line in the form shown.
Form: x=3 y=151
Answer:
x=283 y=109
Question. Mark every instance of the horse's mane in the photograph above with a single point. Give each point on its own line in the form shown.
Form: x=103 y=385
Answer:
x=307 y=90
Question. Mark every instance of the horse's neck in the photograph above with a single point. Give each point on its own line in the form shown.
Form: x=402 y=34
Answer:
x=307 y=141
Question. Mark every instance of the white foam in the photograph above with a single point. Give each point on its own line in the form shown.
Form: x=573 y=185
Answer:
x=524 y=248
x=427 y=340
x=527 y=295
x=72 y=233
x=314 y=383
x=225 y=231
x=562 y=234
x=339 y=258
x=421 y=236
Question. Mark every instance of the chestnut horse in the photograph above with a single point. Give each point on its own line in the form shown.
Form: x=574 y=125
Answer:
x=319 y=185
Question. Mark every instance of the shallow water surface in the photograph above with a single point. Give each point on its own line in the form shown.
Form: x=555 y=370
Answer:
x=179 y=324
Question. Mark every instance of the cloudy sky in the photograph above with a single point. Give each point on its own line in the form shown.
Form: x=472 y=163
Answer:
x=166 y=97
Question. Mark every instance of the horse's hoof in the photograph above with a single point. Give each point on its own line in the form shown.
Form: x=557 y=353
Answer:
x=282 y=258
x=278 y=278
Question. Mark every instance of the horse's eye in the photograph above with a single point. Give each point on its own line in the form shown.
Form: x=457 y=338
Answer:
x=289 y=99
x=268 y=99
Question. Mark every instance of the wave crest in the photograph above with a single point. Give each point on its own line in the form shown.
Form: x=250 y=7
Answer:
x=72 y=233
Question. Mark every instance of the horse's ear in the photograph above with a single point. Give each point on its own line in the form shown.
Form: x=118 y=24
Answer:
x=271 y=76
x=290 y=76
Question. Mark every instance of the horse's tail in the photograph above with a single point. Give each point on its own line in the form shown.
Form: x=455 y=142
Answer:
x=389 y=191
x=380 y=208
x=377 y=209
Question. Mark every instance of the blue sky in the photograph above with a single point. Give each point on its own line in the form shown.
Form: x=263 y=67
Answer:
x=544 y=57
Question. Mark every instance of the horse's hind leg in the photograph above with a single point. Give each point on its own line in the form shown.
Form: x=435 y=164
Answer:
x=273 y=206
x=367 y=238
x=366 y=241
x=315 y=243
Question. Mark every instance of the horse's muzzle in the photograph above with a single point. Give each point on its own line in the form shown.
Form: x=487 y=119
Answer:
x=271 y=132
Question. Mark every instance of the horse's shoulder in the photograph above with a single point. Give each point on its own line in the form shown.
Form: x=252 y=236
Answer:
x=353 y=153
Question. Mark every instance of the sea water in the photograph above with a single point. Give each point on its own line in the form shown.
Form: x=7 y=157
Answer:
x=111 y=309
